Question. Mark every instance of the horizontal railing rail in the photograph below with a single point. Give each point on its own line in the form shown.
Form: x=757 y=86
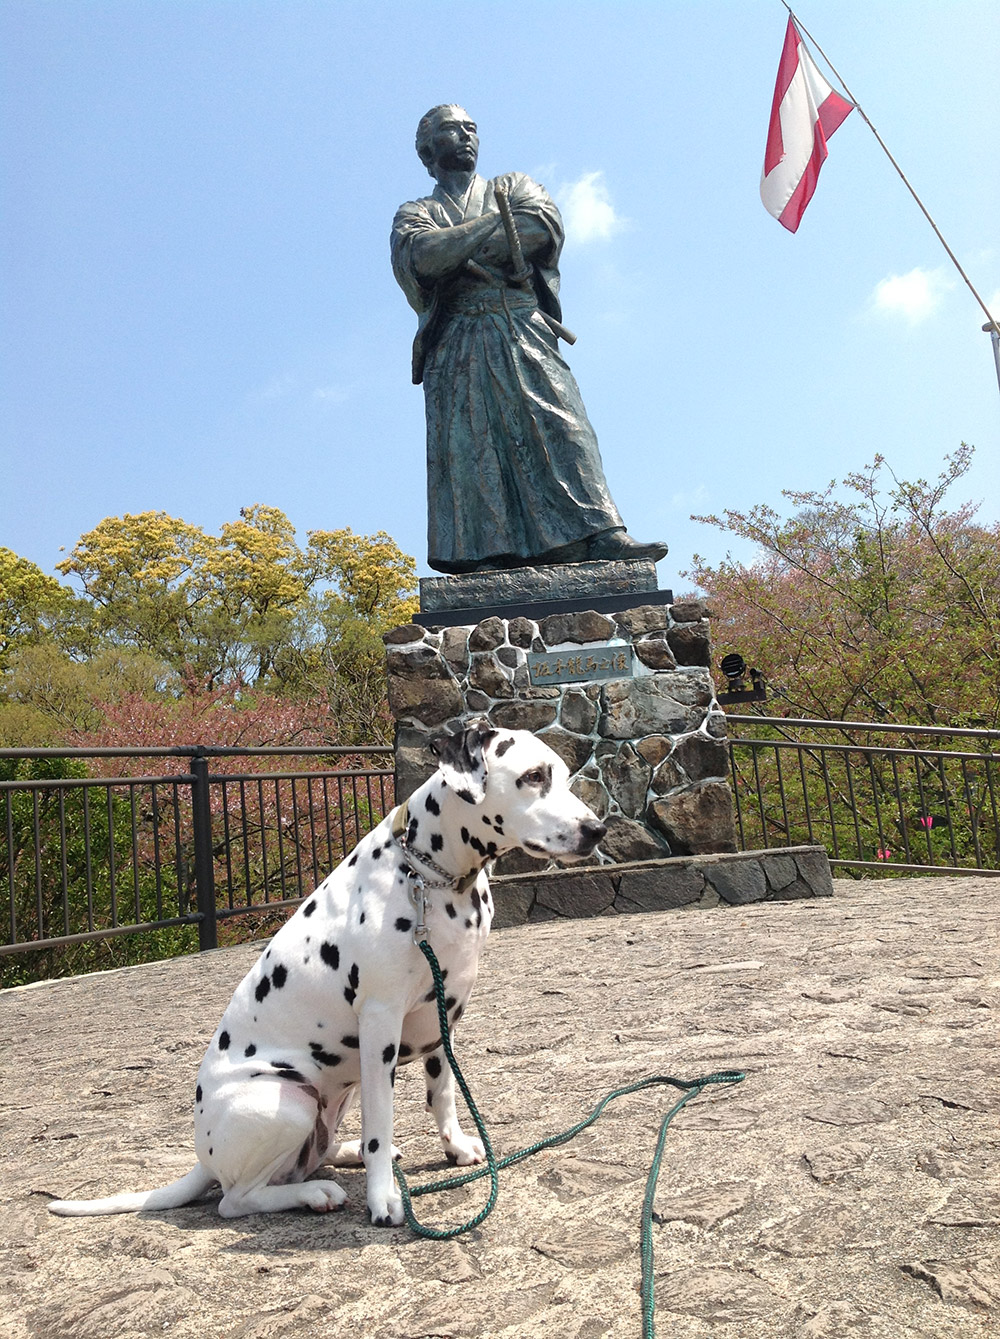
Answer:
x=91 y=851
x=927 y=804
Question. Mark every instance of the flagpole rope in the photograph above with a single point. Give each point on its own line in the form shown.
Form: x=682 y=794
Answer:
x=993 y=325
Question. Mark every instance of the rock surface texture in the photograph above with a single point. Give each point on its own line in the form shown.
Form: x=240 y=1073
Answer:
x=846 y=1190
x=648 y=752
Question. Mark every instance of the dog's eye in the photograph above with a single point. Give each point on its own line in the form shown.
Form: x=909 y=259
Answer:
x=533 y=778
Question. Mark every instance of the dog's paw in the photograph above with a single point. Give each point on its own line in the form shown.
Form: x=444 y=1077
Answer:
x=387 y=1212
x=461 y=1151
x=322 y=1196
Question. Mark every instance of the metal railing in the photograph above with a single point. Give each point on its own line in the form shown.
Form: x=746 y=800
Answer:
x=96 y=844
x=879 y=797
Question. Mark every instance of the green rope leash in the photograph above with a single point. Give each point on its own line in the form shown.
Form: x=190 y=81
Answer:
x=691 y=1088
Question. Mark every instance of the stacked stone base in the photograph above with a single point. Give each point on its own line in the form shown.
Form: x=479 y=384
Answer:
x=663 y=885
x=647 y=752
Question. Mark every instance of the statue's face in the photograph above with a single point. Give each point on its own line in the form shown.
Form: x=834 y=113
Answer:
x=455 y=143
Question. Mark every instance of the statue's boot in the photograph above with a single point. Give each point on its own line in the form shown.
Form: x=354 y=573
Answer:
x=617 y=544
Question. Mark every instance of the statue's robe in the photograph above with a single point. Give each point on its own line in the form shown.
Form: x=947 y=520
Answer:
x=514 y=472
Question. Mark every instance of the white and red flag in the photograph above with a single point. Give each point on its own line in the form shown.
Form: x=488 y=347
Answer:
x=804 y=114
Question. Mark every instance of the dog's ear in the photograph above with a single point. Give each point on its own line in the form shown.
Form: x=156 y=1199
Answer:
x=462 y=762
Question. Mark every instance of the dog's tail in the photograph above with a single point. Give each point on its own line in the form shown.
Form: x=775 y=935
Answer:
x=180 y=1192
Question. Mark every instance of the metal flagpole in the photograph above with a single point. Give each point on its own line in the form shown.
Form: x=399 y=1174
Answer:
x=991 y=324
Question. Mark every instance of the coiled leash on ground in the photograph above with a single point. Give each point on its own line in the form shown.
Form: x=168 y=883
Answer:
x=691 y=1088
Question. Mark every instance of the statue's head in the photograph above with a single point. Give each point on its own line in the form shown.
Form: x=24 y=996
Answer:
x=447 y=138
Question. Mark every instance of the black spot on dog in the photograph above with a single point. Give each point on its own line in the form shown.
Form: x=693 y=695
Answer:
x=211 y=1151
x=503 y=746
x=403 y=924
x=263 y=988
x=349 y=994
x=197 y=1093
x=361 y=919
x=404 y=1051
x=376 y=852
x=309 y=908
x=279 y=976
x=465 y=835
x=405 y=869
x=466 y=795
x=468 y=922
x=487 y=820
x=323 y=1057
x=474 y=897
x=458 y=1014
x=287 y=1071
x=450 y=910
x=433 y=1066
x=389 y=1054
x=350 y=1041
x=411 y=831
x=330 y=954
x=250 y=1050
x=450 y=1003
x=432 y=806
x=430 y=1098
x=224 y=1041
x=437 y=841
x=354 y=976
x=372 y=1145
x=354 y=859
x=478 y=846
x=392 y=1077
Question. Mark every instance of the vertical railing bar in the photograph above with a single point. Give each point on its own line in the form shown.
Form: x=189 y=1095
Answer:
x=37 y=834
x=63 y=861
x=154 y=804
x=228 y=840
x=111 y=855
x=263 y=839
x=924 y=808
x=245 y=829
x=12 y=889
x=781 y=792
x=135 y=854
x=903 y=827
x=330 y=862
x=834 y=836
x=88 y=858
x=947 y=809
x=973 y=811
x=760 y=793
x=801 y=756
x=869 y=755
x=734 y=774
x=281 y=838
x=340 y=815
x=296 y=836
x=989 y=759
x=312 y=830
x=180 y=864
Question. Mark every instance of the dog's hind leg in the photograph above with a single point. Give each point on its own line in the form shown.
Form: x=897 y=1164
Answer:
x=269 y=1137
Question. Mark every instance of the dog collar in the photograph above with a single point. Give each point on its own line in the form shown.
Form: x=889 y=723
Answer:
x=462 y=884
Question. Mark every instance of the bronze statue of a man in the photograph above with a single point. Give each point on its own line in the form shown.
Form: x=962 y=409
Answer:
x=514 y=473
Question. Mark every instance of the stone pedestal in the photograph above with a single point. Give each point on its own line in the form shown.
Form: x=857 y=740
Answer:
x=647 y=751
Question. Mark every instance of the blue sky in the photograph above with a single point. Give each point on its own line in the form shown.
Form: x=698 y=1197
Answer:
x=200 y=312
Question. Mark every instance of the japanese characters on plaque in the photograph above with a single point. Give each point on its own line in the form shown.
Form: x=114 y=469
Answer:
x=577 y=666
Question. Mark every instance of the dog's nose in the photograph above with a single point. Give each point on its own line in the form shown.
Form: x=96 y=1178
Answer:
x=592 y=830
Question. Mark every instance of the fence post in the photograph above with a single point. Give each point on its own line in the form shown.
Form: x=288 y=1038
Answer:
x=204 y=864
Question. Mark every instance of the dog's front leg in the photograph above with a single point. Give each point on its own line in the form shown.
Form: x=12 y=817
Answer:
x=379 y=1032
x=459 y=1148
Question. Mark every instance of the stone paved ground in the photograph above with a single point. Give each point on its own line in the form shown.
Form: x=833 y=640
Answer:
x=846 y=1190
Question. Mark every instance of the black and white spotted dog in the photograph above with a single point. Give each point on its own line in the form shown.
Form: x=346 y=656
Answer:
x=343 y=995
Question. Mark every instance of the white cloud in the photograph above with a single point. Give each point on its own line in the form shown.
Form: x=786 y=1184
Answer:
x=331 y=394
x=587 y=210
x=914 y=296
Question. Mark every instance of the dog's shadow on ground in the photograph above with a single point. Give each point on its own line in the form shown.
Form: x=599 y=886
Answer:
x=298 y=1230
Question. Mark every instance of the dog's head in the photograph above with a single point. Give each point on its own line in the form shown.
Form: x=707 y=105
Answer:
x=521 y=788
